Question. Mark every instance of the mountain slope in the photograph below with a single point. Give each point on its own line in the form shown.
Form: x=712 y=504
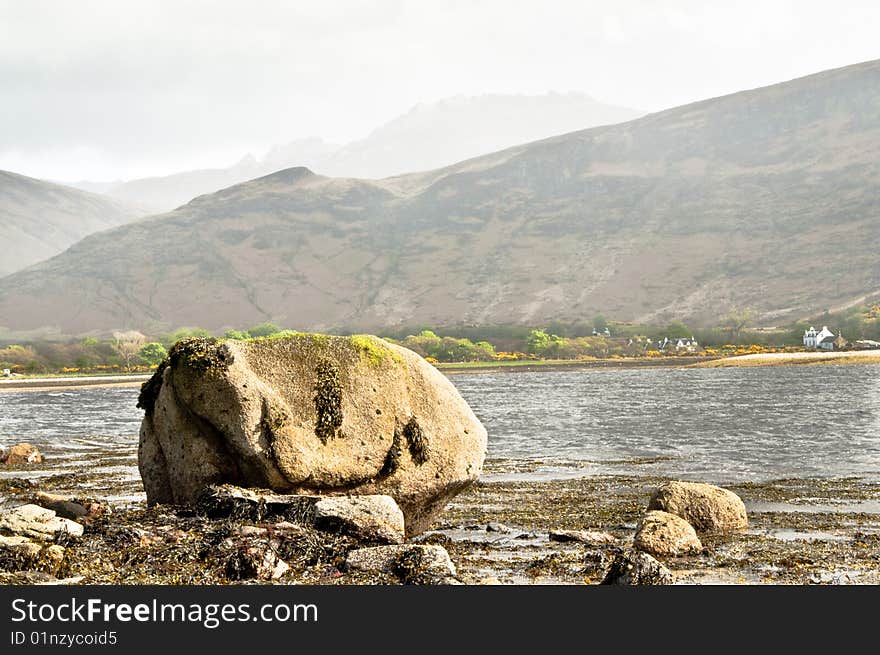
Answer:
x=428 y=136
x=767 y=198
x=40 y=219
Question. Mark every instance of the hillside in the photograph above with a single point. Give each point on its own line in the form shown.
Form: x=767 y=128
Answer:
x=39 y=219
x=428 y=136
x=767 y=199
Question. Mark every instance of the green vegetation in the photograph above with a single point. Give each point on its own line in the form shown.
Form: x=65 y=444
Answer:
x=499 y=344
x=373 y=348
x=153 y=353
x=448 y=349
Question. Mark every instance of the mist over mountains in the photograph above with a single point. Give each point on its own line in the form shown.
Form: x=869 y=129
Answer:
x=428 y=136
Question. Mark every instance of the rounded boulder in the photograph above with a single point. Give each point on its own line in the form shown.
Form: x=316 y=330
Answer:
x=709 y=509
x=308 y=413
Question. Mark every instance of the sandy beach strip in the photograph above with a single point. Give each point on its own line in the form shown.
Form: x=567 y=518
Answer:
x=61 y=383
x=805 y=358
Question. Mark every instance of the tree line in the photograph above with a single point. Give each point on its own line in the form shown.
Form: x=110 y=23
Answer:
x=134 y=351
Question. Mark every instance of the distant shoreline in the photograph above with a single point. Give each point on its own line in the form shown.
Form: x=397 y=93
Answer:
x=527 y=366
x=515 y=366
x=61 y=383
x=795 y=359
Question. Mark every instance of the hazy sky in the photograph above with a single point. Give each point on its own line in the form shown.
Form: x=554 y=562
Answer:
x=110 y=89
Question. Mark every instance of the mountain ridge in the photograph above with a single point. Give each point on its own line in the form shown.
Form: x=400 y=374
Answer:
x=39 y=219
x=428 y=136
x=767 y=198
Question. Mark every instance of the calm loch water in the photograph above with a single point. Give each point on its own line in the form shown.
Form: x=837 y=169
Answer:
x=720 y=425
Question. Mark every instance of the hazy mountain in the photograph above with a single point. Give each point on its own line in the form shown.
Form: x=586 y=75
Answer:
x=40 y=219
x=767 y=199
x=451 y=130
x=160 y=194
x=428 y=136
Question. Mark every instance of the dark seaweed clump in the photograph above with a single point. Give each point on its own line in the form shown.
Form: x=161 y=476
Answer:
x=328 y=400
x=392 y=459
x=150 y=389
x=201 y=354
x=410 y=568
x=416 y=441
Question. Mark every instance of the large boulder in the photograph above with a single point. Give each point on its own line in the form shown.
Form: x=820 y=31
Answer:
x=663 y=534
x=308 y=414
x=710 y=509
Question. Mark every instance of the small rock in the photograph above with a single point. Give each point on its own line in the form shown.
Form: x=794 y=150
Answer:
x=369 y=518
x=52 y=557
x=664 y=534
x=228 y=501
x=836 y=578
x=591 y=537
x=491 y=580
x=20 y=547
x=405 y=561
x=63 y=506
x=497 y=527
x=258 y=560
x=37 y=523
x=69 y=507
x=288 y=530
x=709 y=509
x=250 y=531
x=637 y=568
x=23 y=453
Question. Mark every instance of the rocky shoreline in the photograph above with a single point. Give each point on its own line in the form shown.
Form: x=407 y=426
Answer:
x=569 y=531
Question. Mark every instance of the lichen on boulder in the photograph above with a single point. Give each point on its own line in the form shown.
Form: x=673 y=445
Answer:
x=307 y=414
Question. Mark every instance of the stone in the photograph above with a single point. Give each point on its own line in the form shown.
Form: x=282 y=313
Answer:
x=374 y=518
x=23 y=453
x=666 y=535
x=250 y=531
x=19 y=547
x=405 y=561
x=489 y=581
x=69 y=507
x=308 y=414
x=367 y=518
x=228 y=501
x=709 y=509
x=63 y=506
x=590 y=537
x=256 y=560
x=37 y=523
x=636 y=568
x=53 y=557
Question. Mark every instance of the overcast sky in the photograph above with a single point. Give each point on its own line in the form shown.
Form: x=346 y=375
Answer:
x=115 y=89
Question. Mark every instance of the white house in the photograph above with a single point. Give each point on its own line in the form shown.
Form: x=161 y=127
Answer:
x=690 y=345
x=823 y=339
